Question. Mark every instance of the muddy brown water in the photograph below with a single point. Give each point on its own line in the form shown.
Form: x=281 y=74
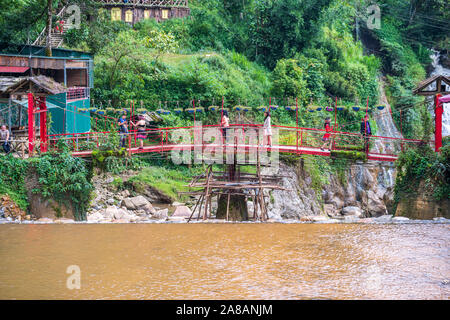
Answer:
x=226 y=261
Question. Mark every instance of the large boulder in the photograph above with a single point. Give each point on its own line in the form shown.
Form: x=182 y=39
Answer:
x=138 y=203
x=351 y=211
x=109 y=212
x=120 y=213
x=182 y=211
x=161 y=214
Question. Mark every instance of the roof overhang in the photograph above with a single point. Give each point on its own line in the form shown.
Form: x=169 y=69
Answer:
x=9 y=69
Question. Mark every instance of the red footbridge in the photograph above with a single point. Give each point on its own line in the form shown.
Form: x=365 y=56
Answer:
x=209 y=139
x=243 y=138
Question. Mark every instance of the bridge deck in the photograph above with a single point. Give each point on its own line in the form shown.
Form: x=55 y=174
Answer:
x=240 y=148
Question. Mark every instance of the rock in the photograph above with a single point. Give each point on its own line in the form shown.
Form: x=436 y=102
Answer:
x=110 y=201
x=141 y=213
x=138 y=202
x=172 y=218
x=109 y=212
x=45 y=220
x=161 y=214
x=120 y=213
x=375 y=205
x=95 y=217
x=400 y=219
x=64 y=220
x=109 y=180
x=182 y=211
x=128 y=203
x=176 y=204
x=319 y=218
x=384 y=218
x=148 y=208
x=121 y=221
x=351 y=211
x=329 y=209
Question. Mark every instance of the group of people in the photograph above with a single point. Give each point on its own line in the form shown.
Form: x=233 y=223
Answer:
x=365 y=131
x=225 y=123
x=140 y=125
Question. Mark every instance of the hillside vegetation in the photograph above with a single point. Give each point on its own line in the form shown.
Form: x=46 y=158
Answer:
x=249 y=50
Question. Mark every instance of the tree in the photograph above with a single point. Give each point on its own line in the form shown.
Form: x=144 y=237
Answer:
x=161 y=42
x=288 y=80
x=48 y=30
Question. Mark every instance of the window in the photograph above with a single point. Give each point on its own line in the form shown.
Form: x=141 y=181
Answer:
x=116 y=14
x=146 y=14
x=165 y=14
x=129 y=16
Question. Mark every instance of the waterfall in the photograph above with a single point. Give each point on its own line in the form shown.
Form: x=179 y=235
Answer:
x=438 y=69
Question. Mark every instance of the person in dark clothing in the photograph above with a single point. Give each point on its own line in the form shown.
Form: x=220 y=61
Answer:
x=141 y=130
x=366 y=132
x=123 y=130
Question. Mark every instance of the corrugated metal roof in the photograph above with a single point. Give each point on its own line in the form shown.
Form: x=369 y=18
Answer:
x=13 y=69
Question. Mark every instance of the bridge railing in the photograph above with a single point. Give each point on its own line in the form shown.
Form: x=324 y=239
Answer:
x=292 y=139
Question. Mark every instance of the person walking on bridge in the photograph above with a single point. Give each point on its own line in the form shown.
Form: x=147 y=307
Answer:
x=366 y=132
x=123 y=130
x=225 y=123
x=141 y=135
x=267 y=128
x=327 y=136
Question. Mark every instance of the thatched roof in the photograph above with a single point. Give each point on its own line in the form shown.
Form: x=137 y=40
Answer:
x=39 y=84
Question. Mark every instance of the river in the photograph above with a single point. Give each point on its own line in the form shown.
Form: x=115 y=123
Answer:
x=226 y=261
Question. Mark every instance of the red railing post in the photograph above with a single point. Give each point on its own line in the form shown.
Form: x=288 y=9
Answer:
x=43 y=123
x=296 y=121
x=31 y=130
x=438 y=111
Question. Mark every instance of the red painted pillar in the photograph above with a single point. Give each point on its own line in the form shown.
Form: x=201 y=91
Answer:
x=43 y=123
x=296 y=121
x=438 y=110
x=31 y=132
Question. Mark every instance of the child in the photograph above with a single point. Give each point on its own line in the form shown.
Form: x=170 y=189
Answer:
x=327 y=136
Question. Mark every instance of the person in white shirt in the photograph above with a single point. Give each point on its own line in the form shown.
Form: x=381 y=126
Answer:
x=4 y=138
x=267 y=128
x=225 y=124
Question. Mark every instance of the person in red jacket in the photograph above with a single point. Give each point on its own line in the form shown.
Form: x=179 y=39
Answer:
x=327 y=136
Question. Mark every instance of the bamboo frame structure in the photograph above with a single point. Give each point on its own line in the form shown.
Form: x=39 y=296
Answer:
x=232 y=182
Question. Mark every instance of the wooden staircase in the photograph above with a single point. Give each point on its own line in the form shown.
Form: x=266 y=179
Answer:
x=57 y=38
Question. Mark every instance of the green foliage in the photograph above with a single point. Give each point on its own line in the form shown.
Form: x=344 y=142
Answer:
x=423 y=171
x=63 y=178
x=12 y=180
x=288 y=80
x=60 y=177
x=169 y=180
x=319 y=170
x=110 y=158
x=347 y=154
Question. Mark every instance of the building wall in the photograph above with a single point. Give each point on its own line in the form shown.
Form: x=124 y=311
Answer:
x=133 y=15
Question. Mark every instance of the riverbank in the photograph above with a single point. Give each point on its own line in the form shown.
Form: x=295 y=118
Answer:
x=387 y=219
